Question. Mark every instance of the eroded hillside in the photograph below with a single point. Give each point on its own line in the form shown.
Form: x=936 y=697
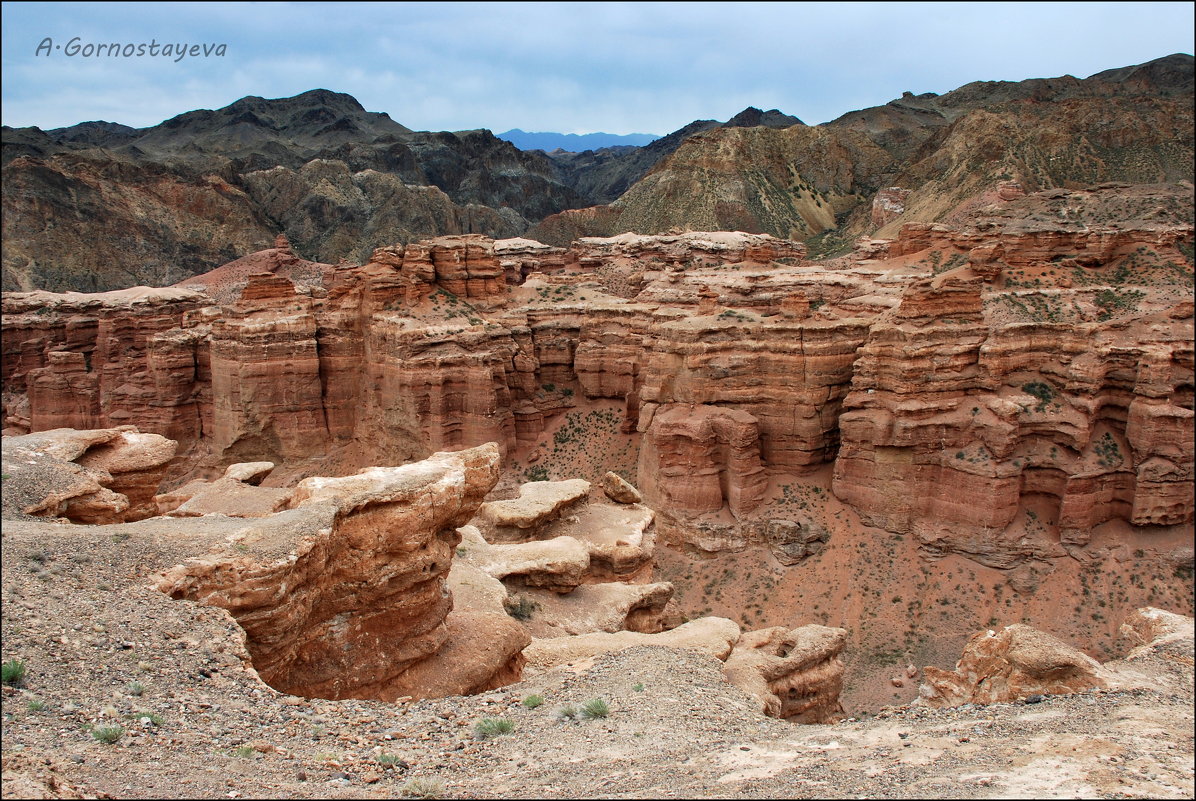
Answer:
x=102 y=206
x=982 y=422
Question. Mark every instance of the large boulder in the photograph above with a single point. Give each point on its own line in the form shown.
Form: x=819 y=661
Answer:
x=539 y=503
x=793 y=673
x=1015 y=662
x=344 y=613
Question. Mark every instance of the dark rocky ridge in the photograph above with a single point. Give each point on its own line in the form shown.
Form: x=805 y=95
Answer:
x=605 y=174
x=99 y=205
x=1131 y=125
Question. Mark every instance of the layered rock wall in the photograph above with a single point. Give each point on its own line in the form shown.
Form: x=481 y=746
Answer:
x=954 y=375
x=957 y=418
x=345 y=613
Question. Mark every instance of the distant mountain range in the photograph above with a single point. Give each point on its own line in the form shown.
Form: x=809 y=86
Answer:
x=573 y=143
x=99 y=205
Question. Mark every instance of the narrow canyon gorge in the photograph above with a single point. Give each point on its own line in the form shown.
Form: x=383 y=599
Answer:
x=852 y=459
x=959 y=427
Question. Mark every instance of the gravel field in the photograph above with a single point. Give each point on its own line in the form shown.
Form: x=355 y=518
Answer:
x=102 y=649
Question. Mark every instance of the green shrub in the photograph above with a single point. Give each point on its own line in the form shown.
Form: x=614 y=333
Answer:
x=537 y=473
x=533 y=701
x=422 y=788
x=13 y=672
x=1041 y=391
x=569 y=712
x=108 y=734
x=595 y=708
x=520 y=608
x=1108 y=451
x=493 y=727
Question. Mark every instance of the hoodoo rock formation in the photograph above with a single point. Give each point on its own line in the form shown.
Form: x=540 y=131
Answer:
x=346 y=611
x=945 y=366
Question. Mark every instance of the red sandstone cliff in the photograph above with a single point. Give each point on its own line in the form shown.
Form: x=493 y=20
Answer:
x=953 y=375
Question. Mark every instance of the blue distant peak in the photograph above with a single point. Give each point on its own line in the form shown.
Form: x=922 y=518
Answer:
x=574 y=143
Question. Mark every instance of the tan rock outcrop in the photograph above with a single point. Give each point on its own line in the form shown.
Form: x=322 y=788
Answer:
x=521 y=257
x=249 y=472
x=346 y=612
x=558 y=564
x=1157 y=632
x=539 y=503
x=715 y=636
x=793 y=673
x=98 y=476
x=241 y=480
x=1006 y=665
x=689 y=248
x=620 y=539
x=619 y=490
x=606 y=607
x=224 y=496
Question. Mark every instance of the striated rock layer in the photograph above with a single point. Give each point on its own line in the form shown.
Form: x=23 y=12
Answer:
x=1016 y=662
x=953 y=375
x=976 y=397
x=346 y=612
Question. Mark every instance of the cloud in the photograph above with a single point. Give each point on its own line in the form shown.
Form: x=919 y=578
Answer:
x=570 y=67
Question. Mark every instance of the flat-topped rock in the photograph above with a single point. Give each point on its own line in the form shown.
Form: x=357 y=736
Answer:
x=619 y=538
x=558 y=564
x=228 y=496
x=539 y=502
x=608 y=607
x=715 y=636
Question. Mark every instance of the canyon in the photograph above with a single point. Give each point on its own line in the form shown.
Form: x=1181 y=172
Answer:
x=1008 y=399
x=358 y=438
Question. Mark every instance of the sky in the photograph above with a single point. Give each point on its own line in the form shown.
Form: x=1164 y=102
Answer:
x=566 y=67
